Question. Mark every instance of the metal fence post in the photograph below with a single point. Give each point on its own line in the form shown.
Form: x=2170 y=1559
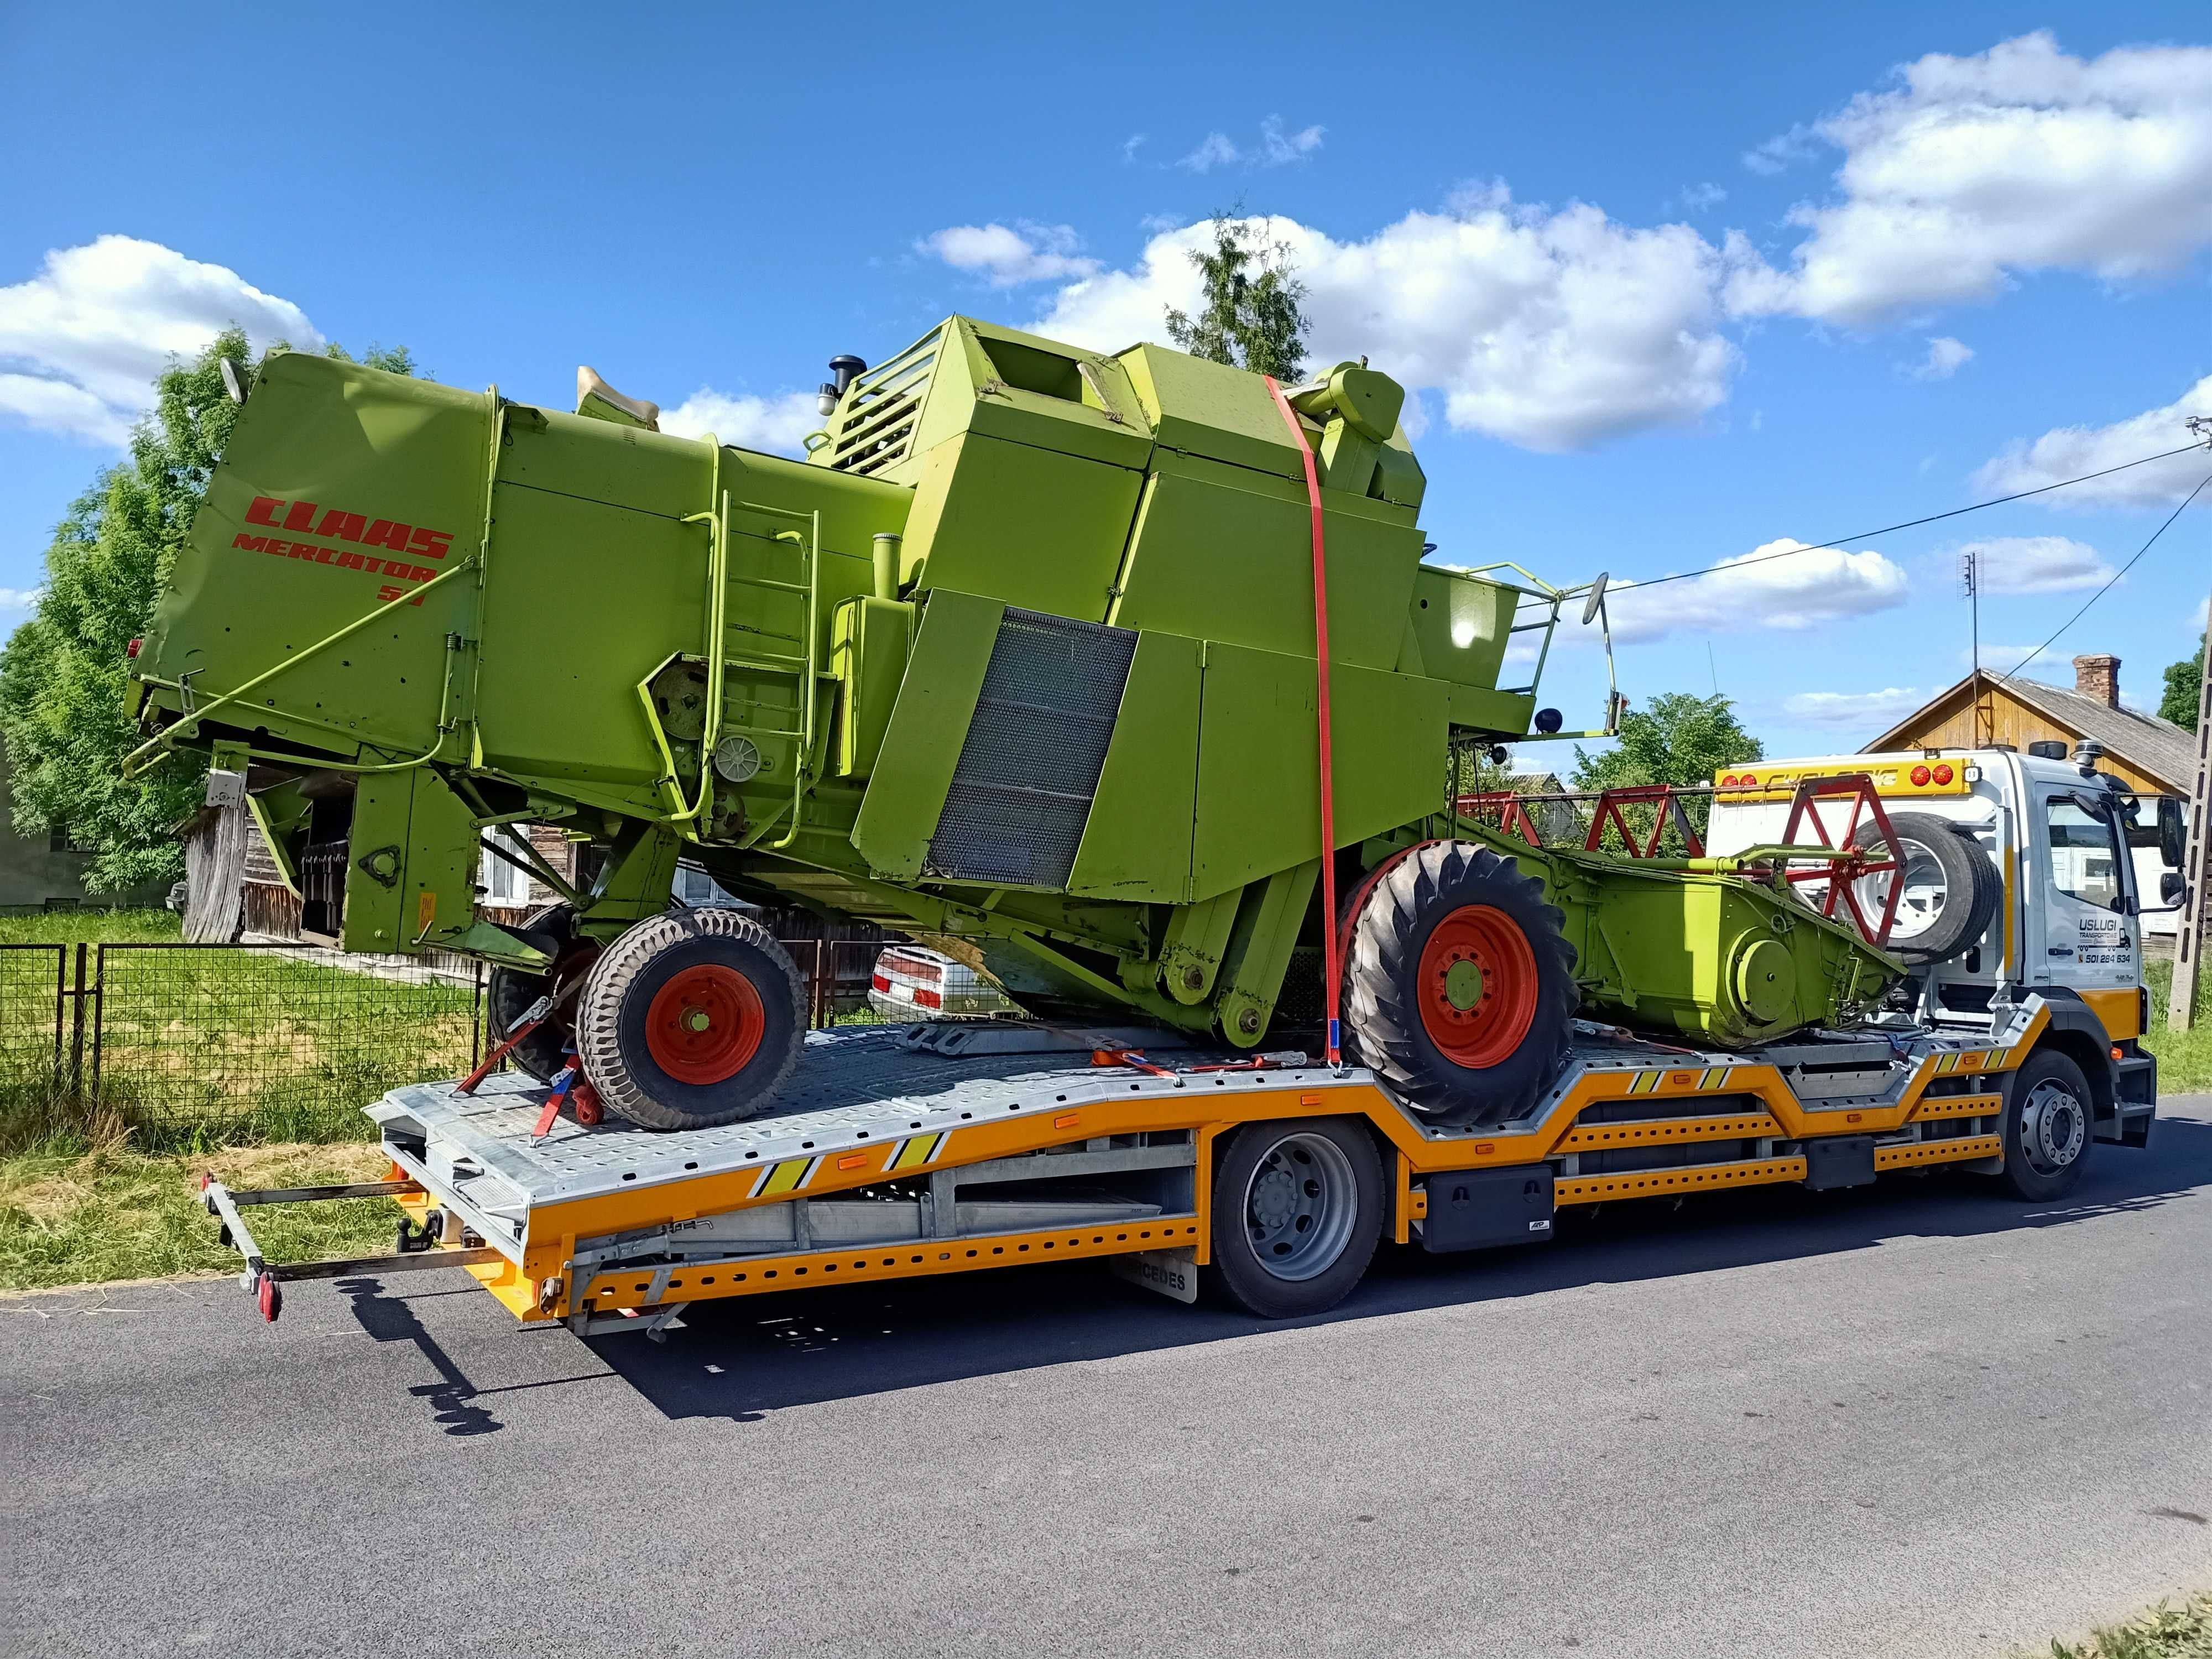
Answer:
x=76 y=1029
x=99 y=1009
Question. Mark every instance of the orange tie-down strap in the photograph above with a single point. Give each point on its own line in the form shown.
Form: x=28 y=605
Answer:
x=1329 y=988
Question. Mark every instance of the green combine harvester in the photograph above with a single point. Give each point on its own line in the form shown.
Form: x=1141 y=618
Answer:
x=1020 y=660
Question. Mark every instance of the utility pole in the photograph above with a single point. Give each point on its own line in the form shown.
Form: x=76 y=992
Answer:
x=1969 y=578
x=2181 y=1003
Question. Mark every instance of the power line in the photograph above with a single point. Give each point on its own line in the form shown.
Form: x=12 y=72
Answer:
x=1910 y=524
x=2107 y=587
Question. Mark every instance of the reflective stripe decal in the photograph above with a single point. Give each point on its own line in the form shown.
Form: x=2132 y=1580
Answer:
x=921 y=1149
x=790 y=1173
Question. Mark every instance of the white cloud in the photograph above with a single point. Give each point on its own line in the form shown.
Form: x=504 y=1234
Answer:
x=1946 y=357
x=1006 y=257
x=1553 y=330
x=2037 y=564
x=19 y=598
x=1214 y=150
x=2070 y=452
x=1131 y=145
x=1756 y=590
x=2198 y=622
x=1696 y=198
x=1277 y=148
x=2001 y=659
x=2018 y=159
x=81 y=342
x=774 y=424
x=1869 y=711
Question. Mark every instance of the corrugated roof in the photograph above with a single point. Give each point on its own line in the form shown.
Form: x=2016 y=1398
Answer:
x=2144 y=741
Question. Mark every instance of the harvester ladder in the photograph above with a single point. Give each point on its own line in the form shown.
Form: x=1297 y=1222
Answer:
x=802 y=665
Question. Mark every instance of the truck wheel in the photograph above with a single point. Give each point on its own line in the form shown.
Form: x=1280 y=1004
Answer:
x=2049 y=1124
x=691 y=1020
x=1951 y=888
x=1459 y=983
x=1297 y=1208
x=512 y=990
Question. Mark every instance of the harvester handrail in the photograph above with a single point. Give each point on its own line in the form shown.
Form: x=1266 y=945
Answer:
x=160 y=742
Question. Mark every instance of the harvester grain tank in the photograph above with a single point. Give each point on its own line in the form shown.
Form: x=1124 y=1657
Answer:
x=1020 y=660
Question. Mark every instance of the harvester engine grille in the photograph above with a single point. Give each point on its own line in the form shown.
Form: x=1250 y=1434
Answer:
x=876 y=426
x=1022 y=791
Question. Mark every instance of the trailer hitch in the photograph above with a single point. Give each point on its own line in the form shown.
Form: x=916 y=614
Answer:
x=264 y=1281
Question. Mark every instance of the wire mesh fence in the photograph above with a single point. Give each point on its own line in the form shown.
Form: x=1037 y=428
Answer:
x=288 y=1042
x=189 y=1044
x=33 y=995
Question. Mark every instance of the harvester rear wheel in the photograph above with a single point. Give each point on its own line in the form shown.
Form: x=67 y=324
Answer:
x=1459 y=983
x=512 y=991
x=691 y=1020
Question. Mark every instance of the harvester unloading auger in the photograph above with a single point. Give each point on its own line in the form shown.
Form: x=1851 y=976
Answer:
x=1021 y=659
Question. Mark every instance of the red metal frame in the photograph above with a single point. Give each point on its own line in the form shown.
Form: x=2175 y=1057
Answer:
x=1661 y=795
x=1849 y=864
x=1505 y=808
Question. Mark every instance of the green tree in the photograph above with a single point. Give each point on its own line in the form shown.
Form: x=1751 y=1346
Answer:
x=1680 y=739
x=62 y=673
x=2183 y=681
x=1251 y=318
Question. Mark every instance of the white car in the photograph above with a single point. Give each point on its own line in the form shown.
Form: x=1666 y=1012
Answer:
x=911 y=983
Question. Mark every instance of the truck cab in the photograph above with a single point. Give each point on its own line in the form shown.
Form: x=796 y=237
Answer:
x=2044 y=899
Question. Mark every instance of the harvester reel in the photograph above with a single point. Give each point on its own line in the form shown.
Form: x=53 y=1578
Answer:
x=513 y=990
x=1459 y=983
x=691 y=1020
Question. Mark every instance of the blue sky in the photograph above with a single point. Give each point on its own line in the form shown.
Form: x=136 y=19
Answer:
x=1672 y=284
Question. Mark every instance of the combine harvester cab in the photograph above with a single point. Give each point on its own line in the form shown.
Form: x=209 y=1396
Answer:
x=1021 y=660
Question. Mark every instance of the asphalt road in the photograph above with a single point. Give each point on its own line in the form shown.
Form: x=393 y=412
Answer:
x=1917 y=1419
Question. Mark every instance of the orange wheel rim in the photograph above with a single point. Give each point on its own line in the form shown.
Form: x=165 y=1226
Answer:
x=1478 y=986
x=704 y=1024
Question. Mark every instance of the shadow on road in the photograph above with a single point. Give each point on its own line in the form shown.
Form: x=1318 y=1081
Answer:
x=740 y=1358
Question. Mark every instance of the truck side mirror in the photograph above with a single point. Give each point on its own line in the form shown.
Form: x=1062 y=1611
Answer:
x=2171 y=838
x=2171 y=889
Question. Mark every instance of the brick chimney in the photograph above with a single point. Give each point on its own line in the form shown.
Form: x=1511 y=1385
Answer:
x=2099 y=678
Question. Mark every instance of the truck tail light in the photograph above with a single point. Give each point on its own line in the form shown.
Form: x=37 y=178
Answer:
x=1920 y=777
x=1943 y=773
x=132 y=649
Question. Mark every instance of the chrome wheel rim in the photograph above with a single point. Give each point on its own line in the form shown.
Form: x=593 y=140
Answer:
x=2054 y=1126
x=1920 y=898
x=1299 y=1205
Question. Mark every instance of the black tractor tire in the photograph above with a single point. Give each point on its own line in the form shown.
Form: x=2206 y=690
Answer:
x=691 y=1020
x=511 y=991
x=1298 y=1211
x=1971 y=888
x=1459 y=989
x=2049 y=1126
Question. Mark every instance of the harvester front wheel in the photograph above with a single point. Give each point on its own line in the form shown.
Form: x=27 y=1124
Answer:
x=1459 y=983
x=691 y=1020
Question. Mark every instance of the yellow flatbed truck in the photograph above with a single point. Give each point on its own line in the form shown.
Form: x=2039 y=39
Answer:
x=934 y=1150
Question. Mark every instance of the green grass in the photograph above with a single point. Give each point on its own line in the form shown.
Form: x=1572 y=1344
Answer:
x=2164 y=1632
x=89 y=926
x=201 y=1048
x=2184 y=1058
x=117 y=1214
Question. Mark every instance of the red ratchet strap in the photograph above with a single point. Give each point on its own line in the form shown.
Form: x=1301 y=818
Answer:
x=1327 y=780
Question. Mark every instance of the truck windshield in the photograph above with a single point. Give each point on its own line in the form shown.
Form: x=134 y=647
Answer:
x=2083 y=863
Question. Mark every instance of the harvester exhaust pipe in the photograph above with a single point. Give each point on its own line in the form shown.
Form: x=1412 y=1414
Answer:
x=843 y=368
x=887 y=566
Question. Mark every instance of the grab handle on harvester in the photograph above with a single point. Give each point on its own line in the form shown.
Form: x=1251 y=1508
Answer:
x=1329 y=988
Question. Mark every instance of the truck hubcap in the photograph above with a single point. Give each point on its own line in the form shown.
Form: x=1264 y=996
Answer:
x=2053 y=1128
x=1478 y=986
x=704 y=1024
x=1298 y=1207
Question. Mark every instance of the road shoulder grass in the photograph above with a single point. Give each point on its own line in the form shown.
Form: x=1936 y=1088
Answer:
x=84 y=1219
x=2164 y=1632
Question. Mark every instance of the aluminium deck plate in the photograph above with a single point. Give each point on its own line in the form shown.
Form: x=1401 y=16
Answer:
x=853 y=1089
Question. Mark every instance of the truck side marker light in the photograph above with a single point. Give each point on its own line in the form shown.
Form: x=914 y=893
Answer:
x=1068 y=1121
